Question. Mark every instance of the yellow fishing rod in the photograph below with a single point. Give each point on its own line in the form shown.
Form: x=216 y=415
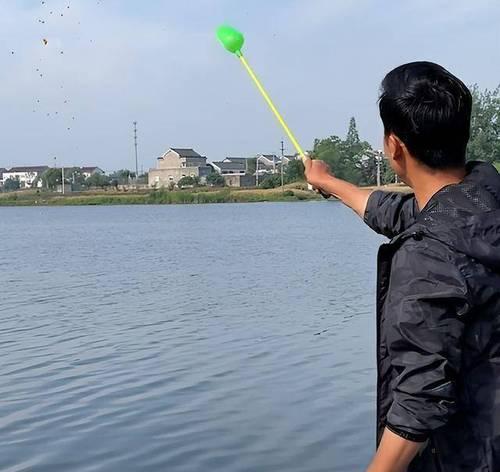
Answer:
x=272 y=106
x=233 y=40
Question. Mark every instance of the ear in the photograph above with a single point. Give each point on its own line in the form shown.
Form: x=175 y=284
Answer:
x=395 y=147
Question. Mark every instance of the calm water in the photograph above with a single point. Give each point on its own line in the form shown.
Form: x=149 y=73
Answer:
x=187 y=338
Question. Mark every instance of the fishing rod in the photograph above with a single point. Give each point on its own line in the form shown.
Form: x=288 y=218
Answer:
x=233 y=41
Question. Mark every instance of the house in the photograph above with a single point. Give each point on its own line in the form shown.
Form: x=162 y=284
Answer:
x=267 y=164
x=271 y=163
x=240 y=160
x=229 y=168
x=26 y=175
x=88 y=171
x=177 y=163
x=2 y=170
x=235 y=172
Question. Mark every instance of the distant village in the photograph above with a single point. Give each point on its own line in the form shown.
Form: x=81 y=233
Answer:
x=176 y=168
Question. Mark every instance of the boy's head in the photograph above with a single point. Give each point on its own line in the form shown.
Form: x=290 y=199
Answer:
x=426 y=115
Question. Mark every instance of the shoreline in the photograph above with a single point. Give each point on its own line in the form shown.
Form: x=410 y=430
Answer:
x=291 y=193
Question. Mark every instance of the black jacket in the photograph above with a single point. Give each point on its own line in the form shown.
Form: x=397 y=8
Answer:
x=438 y=319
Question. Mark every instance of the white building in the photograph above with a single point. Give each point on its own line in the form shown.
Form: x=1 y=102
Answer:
x=25 y=175
x=271 y=163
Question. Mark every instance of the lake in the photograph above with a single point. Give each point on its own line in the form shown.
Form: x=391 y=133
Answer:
x=233 y=337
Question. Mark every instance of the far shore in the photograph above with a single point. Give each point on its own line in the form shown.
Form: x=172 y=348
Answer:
x=292 y=192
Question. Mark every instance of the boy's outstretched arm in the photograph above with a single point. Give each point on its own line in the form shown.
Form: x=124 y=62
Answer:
x=319 y=176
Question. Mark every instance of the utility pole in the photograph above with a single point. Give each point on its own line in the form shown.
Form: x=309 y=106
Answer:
x=257 y=171
x=282 y=165
x=135 y=145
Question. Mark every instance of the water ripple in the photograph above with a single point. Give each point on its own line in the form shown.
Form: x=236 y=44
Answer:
x=192 y=339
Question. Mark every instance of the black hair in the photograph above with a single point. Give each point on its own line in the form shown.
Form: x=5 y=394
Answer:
x=429 y=109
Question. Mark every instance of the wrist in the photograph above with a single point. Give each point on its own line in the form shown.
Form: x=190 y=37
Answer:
x=323 y=182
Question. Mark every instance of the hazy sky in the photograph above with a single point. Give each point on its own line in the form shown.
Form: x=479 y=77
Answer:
x=110 y=62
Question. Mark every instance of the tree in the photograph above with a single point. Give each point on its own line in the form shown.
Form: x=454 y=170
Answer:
x=74 y=176
x=97 y=181
x=122 y=176
x=352 y=138
x=270 y=181
x=294 y=171
x=484 y=141
x=187 y=181
x=51 y=178
x=251 y=165
x=368 y=167
x=345 y=157
x=11 y=184
x=215 y=180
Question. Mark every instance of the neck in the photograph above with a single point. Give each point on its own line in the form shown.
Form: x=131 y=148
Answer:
x=426 y=183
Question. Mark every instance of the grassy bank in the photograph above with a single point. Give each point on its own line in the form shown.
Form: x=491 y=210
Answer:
x=293 y=192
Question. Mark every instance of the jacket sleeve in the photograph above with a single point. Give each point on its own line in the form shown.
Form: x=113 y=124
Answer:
x=390 y=213
x=424 y=320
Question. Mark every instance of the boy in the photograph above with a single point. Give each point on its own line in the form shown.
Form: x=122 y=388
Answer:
x=438 y=298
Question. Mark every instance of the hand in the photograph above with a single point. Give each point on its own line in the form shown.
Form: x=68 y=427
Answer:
x=317 y=172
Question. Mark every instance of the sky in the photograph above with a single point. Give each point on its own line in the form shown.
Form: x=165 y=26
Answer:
x=108 y=63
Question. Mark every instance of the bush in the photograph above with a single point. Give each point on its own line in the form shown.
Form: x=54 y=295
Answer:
x=271 y=181
x=11 y=184
x=215 y=180
x=188 y=181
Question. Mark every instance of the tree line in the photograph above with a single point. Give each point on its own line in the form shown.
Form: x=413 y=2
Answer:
x=52 y=178
x=353 y=159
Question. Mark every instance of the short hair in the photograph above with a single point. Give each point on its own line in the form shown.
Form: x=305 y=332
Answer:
x=429 y=109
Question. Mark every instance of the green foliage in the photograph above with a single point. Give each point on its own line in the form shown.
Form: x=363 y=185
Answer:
x=215 y=180
x=294 y=171
x=388 y=175
x=98 y=181
x=484 y=142
x=10 y=185
x=122 y=176
x=163 y=196
x=188 y=181
x=74 y=176
x=51 y=178
x=345 y=157
x=271 y=181
x=251 y=165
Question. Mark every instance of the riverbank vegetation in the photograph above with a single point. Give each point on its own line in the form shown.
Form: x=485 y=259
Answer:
x=294 y=192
